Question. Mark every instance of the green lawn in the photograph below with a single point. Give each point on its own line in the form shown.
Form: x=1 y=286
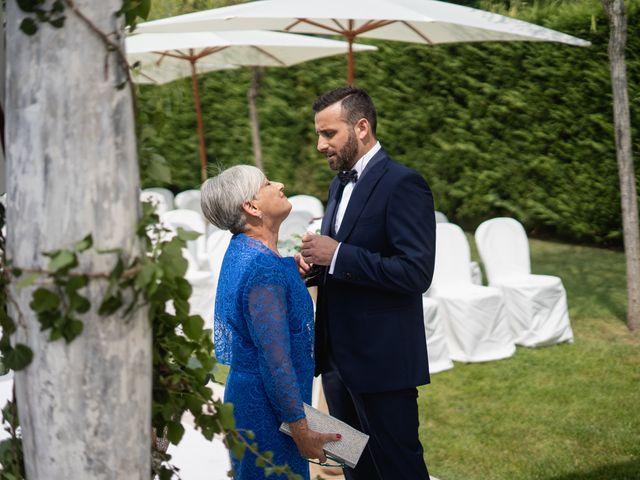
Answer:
x=567 y=412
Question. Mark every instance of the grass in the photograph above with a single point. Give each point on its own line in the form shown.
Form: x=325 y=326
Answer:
x=566 y=412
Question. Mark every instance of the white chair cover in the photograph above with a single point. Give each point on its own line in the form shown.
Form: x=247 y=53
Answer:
x=189 y=220
x=537 y=304
x=217 y=245
x=203 y=293
x=476 y=321
x=6 y=393
x=439 y=359
x=307 y=203
x=166 y=194
x=441 y=217
x=189 y=200
x=296 y=223
x=156 y=199
x=195 y=456
x=314 y=226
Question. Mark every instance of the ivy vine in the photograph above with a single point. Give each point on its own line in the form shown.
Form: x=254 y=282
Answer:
x=183 y=356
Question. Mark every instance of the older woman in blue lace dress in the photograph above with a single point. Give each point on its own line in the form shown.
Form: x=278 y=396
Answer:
x=263 y=323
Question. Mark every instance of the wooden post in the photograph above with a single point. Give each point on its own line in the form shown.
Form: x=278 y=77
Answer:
x=196 y=101
x=622 y=123
x=72 y=169
x=252 y=96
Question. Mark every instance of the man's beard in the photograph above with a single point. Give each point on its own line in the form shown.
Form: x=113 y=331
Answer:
x=346 y=157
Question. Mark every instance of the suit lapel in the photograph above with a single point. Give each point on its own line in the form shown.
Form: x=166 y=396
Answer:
x=364 y=187
x=332 y=204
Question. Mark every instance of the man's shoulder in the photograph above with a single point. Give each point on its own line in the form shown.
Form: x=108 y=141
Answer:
x=399 y=171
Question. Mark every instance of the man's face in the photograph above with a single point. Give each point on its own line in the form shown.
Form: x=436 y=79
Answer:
x=336 y=139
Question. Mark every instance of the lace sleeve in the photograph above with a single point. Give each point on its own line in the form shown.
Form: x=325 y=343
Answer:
x=269 y=329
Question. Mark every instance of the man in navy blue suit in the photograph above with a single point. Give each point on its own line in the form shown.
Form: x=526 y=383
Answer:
x=372 y=262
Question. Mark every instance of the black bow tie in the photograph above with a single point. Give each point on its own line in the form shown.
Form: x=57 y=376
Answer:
x=347 y=176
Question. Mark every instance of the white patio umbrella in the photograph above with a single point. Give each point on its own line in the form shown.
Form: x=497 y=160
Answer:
x=419 y=21
x=163 y=57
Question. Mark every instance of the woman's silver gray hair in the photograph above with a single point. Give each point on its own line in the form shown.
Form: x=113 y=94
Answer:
x=223 y=195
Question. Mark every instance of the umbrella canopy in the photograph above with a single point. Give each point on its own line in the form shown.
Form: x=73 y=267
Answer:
x=163 y=57
x=419 y=21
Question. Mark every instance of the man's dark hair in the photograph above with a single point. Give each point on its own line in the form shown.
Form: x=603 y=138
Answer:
x=356 y=104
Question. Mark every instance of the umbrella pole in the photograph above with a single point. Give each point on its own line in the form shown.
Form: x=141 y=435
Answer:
x=196 y=98
x=350 y=66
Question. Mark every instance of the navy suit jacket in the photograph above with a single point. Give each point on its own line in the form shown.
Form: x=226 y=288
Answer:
x=369 y=311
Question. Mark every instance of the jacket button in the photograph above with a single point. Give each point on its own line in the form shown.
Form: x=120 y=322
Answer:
x=347 y=276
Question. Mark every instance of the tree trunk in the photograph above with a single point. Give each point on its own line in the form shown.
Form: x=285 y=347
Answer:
x=252 y=96
x=622 y=122
x=84 y=407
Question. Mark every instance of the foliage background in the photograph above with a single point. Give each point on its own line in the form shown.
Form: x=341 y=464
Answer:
x=517 y=129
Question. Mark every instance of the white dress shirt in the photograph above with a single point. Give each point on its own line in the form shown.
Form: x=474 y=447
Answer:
x=346 y=196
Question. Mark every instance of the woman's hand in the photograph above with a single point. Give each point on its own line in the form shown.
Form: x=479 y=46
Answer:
x=303 y=267
x=310 y=442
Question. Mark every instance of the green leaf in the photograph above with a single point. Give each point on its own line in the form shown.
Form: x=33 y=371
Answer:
x=183 y=289
x=76 y=283
x=18 y=357
x=44 y=300
x=84 y=244
x=58 y=22
x=237 y=448
x=110 y=304
x=27 y=281
x=27 y=5
x=175 y=431
x=72 y=329
x=193 y=327
x=57 y=7
x=79 y=303
x=187 y=235
x=29 y=26
x=146 y=275
x=225 y=414
x=62 y=261
x=143 y=8
x=56 y=334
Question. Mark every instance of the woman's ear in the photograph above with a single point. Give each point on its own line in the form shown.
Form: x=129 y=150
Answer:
x=251 y=209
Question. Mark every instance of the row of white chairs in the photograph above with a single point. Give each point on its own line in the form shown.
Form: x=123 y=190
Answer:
x=483 y=323
x=205 y=253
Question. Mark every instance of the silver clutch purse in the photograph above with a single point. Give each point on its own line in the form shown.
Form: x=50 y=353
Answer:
x=348 y=449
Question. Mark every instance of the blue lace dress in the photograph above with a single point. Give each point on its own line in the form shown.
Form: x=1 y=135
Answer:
x=263 y=328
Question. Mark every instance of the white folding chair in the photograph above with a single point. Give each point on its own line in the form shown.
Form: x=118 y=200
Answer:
x=439 y=358
x=166 y=194
x=476 y=321
x=189 y=220
x=189 y=200
x=308 y=203
x=537 y=304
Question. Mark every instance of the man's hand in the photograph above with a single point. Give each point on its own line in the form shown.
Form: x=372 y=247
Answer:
x=317 y=249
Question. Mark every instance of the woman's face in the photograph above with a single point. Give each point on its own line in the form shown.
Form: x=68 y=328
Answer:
x=272 y=201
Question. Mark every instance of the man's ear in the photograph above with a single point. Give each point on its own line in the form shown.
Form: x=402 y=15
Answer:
x=362 y=128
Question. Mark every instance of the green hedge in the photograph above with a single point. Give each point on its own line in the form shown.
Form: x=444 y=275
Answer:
x=518 y=129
